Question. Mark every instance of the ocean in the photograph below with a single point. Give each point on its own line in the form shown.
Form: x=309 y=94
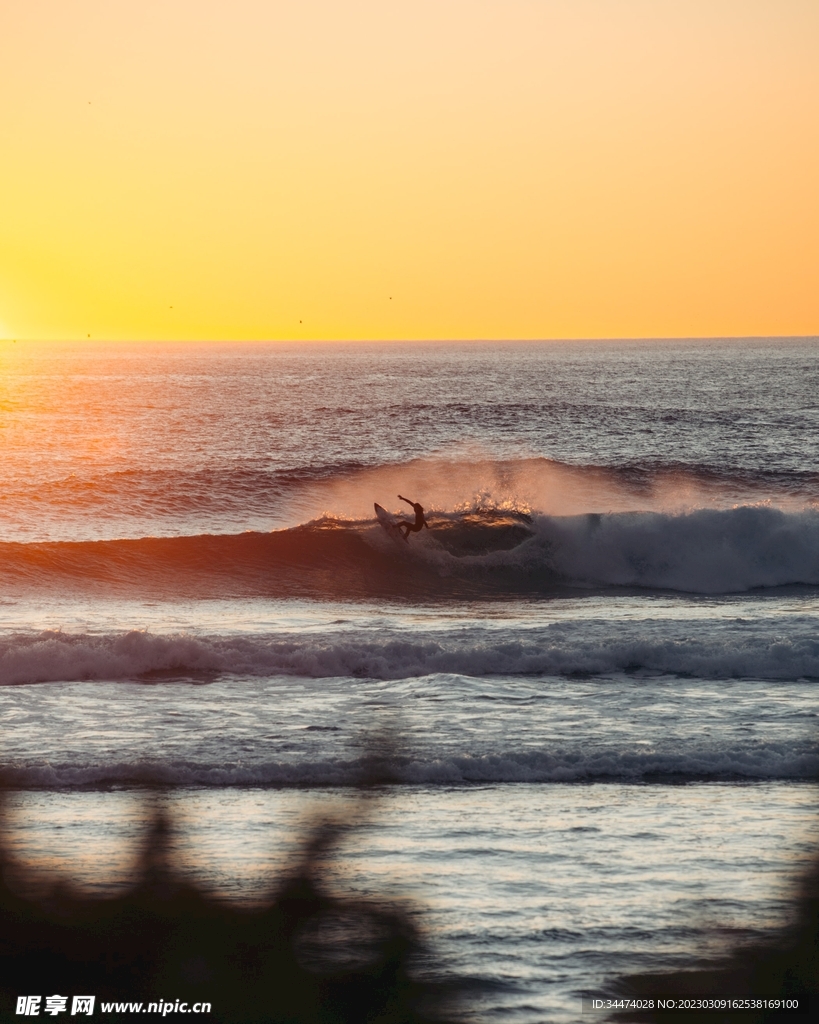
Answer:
x=592 y=681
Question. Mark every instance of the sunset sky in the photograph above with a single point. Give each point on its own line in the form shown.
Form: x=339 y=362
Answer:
x=437 y=169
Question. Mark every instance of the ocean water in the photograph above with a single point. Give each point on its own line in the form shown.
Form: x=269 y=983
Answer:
x=593 y=679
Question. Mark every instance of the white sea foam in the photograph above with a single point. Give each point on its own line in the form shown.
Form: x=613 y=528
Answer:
x=785 y=761
x=737 y=650
x=702 y=552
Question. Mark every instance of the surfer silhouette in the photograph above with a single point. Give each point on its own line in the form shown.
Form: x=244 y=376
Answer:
x=419 y=523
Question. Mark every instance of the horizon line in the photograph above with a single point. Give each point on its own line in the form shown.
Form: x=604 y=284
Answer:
x=413 y=341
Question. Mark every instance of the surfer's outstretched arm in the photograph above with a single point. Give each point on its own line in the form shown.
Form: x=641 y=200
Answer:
x=401 y=496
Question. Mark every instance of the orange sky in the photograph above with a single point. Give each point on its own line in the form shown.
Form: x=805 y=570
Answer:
x=435 y=169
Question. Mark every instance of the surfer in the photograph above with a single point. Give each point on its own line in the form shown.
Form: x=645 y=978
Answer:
x=419 y=523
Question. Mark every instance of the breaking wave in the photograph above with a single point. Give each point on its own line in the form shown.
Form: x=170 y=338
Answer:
x=791 y=761
x=591 y=649
x=465 y=554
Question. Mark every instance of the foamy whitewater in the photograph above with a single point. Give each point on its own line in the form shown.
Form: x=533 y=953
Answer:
x=596 y=672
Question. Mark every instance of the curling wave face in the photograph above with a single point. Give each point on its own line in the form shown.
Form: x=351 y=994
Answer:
x=464 y=554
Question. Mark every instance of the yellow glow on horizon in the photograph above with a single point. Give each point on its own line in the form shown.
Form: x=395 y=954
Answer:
x=446 y=169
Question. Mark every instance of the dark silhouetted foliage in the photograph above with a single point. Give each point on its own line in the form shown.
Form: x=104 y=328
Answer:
x=305 y=956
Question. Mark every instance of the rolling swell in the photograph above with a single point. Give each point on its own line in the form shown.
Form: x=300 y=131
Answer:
x=463 y=555
x=187 y=501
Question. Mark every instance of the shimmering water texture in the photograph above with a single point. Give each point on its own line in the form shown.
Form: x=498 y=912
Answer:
x=615 y=607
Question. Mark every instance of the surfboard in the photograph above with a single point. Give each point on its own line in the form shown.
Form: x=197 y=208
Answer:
x=390 y=523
